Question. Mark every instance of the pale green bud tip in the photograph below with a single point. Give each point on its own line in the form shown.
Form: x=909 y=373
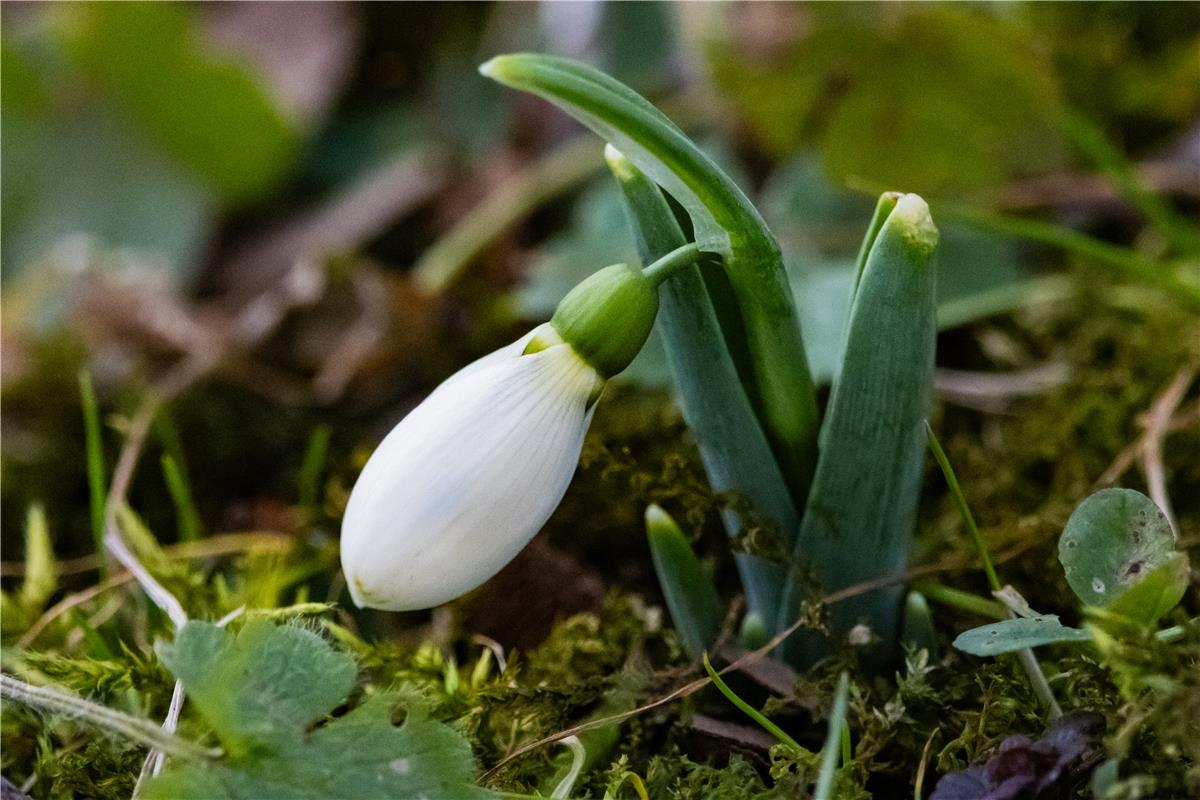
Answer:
x=658 y=519
x=488 y=68
x=621 y=167
x=607 y=318
x=911 y=216
x=504 y=69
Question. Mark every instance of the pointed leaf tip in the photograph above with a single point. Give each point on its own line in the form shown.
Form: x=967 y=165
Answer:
x=657 y=517
x=488 y=68
x=912 y=215
x=620 y=166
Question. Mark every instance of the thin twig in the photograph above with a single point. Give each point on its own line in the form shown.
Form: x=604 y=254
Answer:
x=67 y=603
x=1146 y=450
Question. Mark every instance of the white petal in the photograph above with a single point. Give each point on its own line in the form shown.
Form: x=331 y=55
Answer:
x=467 y=478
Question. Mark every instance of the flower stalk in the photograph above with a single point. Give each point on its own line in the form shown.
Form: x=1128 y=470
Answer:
x=725 y=223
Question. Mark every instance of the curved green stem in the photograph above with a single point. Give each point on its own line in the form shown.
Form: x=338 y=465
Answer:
x=725 y=222
x=749 y=710
x=671 y=263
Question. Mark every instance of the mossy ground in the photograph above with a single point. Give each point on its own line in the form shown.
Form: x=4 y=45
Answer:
x=589 y=638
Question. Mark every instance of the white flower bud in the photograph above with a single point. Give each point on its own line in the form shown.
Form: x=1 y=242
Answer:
x=463 y=483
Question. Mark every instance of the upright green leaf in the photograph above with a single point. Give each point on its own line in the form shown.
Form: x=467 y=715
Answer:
x=725 y=222
x=186 y=516
x=41 y=579
x=859 y=518
x=688 y=590
x=95 y=462
x=919 y=631
x=829 y=752
x=732 y=445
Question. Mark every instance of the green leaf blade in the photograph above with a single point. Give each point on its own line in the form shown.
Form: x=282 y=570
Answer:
x=688 y=590
x=733 y=447
x=1012 y=635
x=725 y=222
x=1158 y=592
x=264 y=685
x=861 y=510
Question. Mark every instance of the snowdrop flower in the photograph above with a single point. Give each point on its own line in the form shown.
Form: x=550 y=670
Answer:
x=464 y=481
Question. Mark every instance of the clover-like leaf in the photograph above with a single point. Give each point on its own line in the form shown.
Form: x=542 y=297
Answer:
x=1156 y=593
x=1012 y=635
x=263 y=685
x=1113 y=542
x=264 y=689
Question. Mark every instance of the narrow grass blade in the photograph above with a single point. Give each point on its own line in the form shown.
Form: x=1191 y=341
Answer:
x=1122 y=261
x=860 y=514
x=964 y=601
x=829 y=753
x=134 y=729
x=95 y=464
x=725 y=222
x=180 y=490
x=690 y=594
x=1026 y=657
x=1091 y=139
x=578 y=754
x=985 y=558
x=516 y=198
x=311 y=468
x=749 y=710
x=733 y=447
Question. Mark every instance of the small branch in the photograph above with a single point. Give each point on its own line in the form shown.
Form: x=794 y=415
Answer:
x=133 y=728
x=1146 y=450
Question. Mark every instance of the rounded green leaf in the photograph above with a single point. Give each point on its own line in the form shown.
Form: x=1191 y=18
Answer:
x=1157 y=593
x=1113 y=540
